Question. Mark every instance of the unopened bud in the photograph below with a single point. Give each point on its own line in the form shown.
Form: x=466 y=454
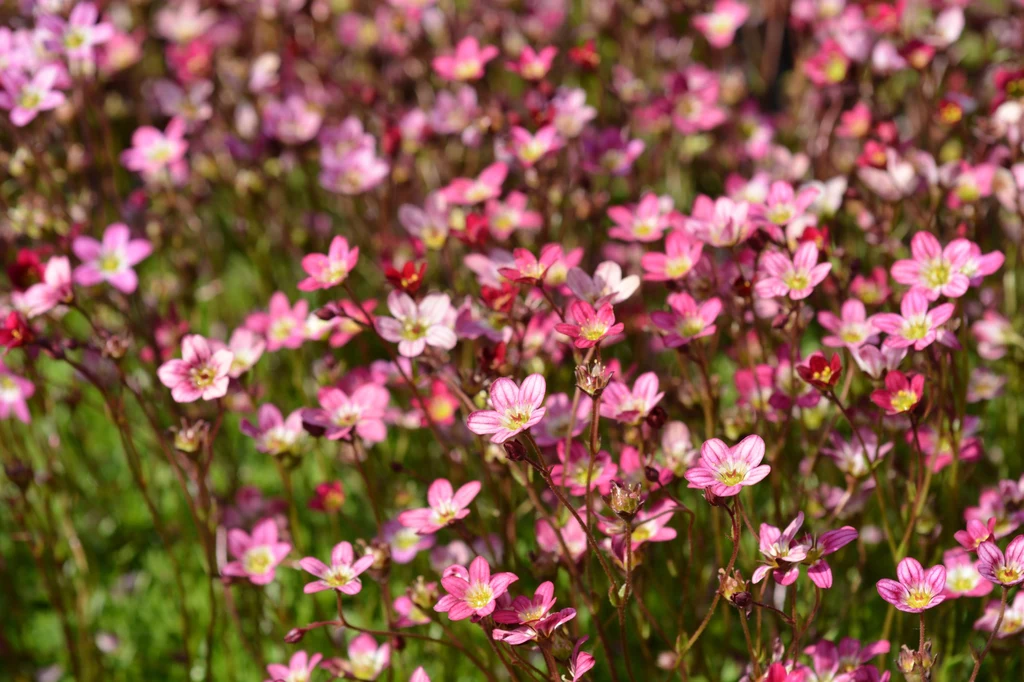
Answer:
x=651 y=474
x=294 y=635
x=657 y=417
x=916 y=666
x=515 y=451
x=625 y=500
x=593 y=379
x=732 y=585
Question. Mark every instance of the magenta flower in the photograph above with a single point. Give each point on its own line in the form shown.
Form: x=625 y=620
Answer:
x=527 y=268
x=819 y=571
x=525 y=611
x=575 y=470
x=580 y=663
x=343 y=573
x=529 y=149
x=283 y=325
x=645 y=222
x=794 y=278
x=934 y=271
x=726 y=470
x=366 y=660
x=77 y=36
x=681 y=254
x=999 y=568
x=976 y=533
x=466 y=63
x=510 y=214
x=341 y=414
x=256 y=556
x=405 y=543
x=686 y=320
x=622 y=404
x=902 y=392
x=445 y=507
x=14 y=392
x=516 y=408
x=112 y=260
x=299 y=669
x=1013 y=617
x=473 y=592
x=487 y=185
x=52 y=291
x=275 y=435
x=26 y=98
x=917 y=590
x=330 y=270
x=200 y=373
x=963 y=578
x=533 y=65
x=554 y=428
x=851 y=330
x=158 y=155
x=782 y=555
x=720 y=24
x=842 y=663
x=414 y=327
x=589 y=327
x=916 y=325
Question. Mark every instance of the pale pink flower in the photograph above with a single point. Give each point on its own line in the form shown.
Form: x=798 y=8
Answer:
x=430 y=223
x=589 y=327
x=796 y=277
x=533 y=65
x=571 y=113
x=510 y=214
x=934 y=271
x=256 y=556
x=366 y=660
x=784 y=206
x=14 y=392
x=343 y=573
x=112 y=260
x=247 y=347
x=681 y=254
x=962 y=576
x=722 y=222
x=283 y=325
x=994 y=334
x=851 y=330
x=299 y=669
x=726 y=470
x=201 y=372
x=83 y=31
x=1013 y=617
x=606 y=286
x=686 y=320
x=782 y=553
x=999 y=568
x=645 y=222
x=405 y=543
x=354 y=173
x=52 y=291
x=341 y=414
x=631 y=406
x=874 y=361
x=275 y=435
x=419 y=675
x=330 y=270
x=473 y=592
x=26 y=98
x=487 y=185
x=980 y=265
x=516 y=408
x=916 y=325
x=720 y=24
x=445 y=507
x=576 y=469
x=467 y=62
x=529 y=149
x=570 y=533
x=294 y=120
x=917 y=589
x=415 y=326
x=554 y=428
x=158 y=155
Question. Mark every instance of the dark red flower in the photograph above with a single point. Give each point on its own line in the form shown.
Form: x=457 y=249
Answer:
x=902 y=392
x=15 y=331
x=476 y=230
x=585 y=55
x=408 y=279
x=500 y=299
x=821 y=373
x=328 y=497
x=26 y=269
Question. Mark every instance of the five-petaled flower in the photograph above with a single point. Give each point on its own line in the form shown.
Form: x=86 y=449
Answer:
x=796 y=277
x=416 y=326
x=256 y=556
x=902 y=392
x=343 y=573
x=200 y=373
x=726 y=470
x=445 y=507
x=589 y=327
x=917 y=589
x=516 y=408
x=330 y=269
x=473 y=592
x=1006 y=569
x=915 y=325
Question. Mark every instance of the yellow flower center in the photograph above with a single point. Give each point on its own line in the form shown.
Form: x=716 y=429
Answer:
x=904 y=400
x=479 y=595
x=918 y=599
x=1008 y=574
x=257 y=560
x=203 y=377
x=937 y=273
x=796 y=280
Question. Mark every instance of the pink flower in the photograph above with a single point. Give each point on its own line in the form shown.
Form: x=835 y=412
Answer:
x=366 y=661
x=828 y=66
x=726 y=470
x=275 y=435
x=962 y=576
x=571 y=534
x=783 y=205
x=299 y=668
x=999 y=568
x=645 y=222
x=294 y=120
x=527 y=268
x=362 y=412
x=994 y=333
x=343 y=573
x=26 y=98
x=473 y=592
x=934 y=271
x=355 y=172
x=516 y=408
x=649 y=525
x=976 y=533
x=256 y=556
x=414 y=327
x=842 y=663
x=1013 y=617
x=576 y=469
x=686 y=320
x=529 y=149
x=782 y=555
x=795 y=278
x=446 y=507
x=77 y=36
x=506 y=216
x=681 y=254
x=720 y=24
x=589 y=327
x=201 y=372
x=979 y=266
x=831 y=541
x=330 y=270
x=606 y=286
x=580 y=663
x=902 y=392
x=283 y=325
x=916 y=325
x=52 y=291
x=405 y=543
x=112 y=260
x=14 y=392
x=248 y=348
x=852 y=330
x=466 y=63
x=158 y=155
x=620 y=403
x=876 y=361
x=532 y=65
x=554 y=428
x=486 y=186
x=917 y=589
x=419 y=675
x=722 y=222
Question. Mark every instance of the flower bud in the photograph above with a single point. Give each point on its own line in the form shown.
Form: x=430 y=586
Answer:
x=423 y=594
x=592 y=380
x=731 y=586
x=657 y=417
x=651 y=474
x=294 y=635
x=916 y=666
x=515 y=451
x=190 y=438
x=625 y=501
